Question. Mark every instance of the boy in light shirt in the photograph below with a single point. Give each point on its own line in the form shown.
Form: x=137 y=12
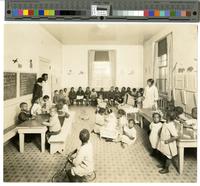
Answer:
x=82 y=159
x=53 y=124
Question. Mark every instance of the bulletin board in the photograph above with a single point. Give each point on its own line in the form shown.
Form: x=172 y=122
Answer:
x=10 y=85
x=27 y=82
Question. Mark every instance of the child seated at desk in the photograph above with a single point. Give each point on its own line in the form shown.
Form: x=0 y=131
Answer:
x=54 y=126
x=62 y=108
x=192 y=123
x=129 y=134
x=61 y=94
x=55 y=97
x=99 y=120
x=180 y=115
x=24 y=114
x=167 y=141
x=36 y=108
x=82 y=163
x=46 y=105
x=155 y=128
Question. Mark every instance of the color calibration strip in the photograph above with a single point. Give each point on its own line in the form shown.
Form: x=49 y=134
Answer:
x=47 y=13
x=138 y=13
x=154 y=13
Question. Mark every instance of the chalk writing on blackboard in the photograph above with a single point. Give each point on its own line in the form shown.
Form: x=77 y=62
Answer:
x=27 y=81
x=10 y=85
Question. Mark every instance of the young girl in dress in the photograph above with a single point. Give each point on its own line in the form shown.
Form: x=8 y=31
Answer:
x=167 y=142
x=109 y=131
x=129 y=134
x=122 y=120
x=101 y=103
x=155 y=128
x=99 y=120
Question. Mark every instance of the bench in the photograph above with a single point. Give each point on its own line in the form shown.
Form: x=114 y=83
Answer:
x=9 y=133
x=58 y=142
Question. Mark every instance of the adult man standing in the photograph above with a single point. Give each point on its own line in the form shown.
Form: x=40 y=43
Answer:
x=45 y=86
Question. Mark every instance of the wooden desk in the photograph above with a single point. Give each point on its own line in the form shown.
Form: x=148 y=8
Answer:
x=32 y=127
x=182 y=142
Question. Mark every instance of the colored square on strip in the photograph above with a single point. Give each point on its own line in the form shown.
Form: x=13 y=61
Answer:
x=146 y=13
x=20 y=12
x=172 y=13
x=25 y=12
x=51 y=12
x=36 y=13
x=162 y=13
x=140 y=13
x=178 y=13
x=57 y=12
x=151 y=13
x=157 y=13
x=188 y=13
x=46 y=12
x=167 y=13
x=30 y=12
x=183 y=13
x=15 y=12
x=41 y=12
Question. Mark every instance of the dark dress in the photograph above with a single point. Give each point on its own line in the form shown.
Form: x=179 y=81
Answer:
x=37 y=92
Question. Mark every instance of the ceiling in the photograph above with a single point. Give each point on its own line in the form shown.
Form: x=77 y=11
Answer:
x=112 y=34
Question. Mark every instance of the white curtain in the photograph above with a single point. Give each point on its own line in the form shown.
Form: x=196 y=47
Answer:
x=91 y=55
x=170 y=65
x=112 y=58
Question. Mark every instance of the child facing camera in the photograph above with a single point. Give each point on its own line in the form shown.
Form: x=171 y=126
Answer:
x=46 y=104
x=24 y=114
x=155 y=128
x=129 y=134
x=82 y=163
x=167 y=141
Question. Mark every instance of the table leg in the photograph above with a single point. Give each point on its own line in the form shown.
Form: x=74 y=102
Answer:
x=181 y=159
x=43 y=142
x=21 y=142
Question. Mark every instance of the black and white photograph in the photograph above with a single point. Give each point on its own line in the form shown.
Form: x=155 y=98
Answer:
x=100 y=102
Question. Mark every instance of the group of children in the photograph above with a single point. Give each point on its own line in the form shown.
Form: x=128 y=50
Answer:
x=164 y=133
x=114 y=128
x=45 y=106
x=90 y=96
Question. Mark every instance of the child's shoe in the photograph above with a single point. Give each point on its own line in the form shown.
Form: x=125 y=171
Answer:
x=164 y=171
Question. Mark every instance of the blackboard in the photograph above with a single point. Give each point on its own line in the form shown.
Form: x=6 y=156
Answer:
x=27 y=81
x=10 y=85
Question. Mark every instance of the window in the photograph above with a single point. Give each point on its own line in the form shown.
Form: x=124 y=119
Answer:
x=102 y=68
x=102 y=75
x=162 y=61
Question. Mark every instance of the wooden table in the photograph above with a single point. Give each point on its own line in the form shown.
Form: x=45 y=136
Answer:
x=182 y=142
x=32 y=127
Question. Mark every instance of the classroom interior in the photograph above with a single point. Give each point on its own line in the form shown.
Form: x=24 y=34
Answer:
x=66 y=52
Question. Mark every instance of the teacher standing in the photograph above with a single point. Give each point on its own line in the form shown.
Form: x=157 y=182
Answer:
x=150 y=95
x=45 y=86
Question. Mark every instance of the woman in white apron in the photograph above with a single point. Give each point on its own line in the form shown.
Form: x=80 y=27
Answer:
x=150 y=95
